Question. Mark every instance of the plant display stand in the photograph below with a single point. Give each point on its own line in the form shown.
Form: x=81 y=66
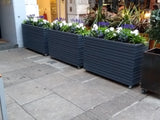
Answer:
x=114 y=60
x=34 y=38
x=66 y=47
x=151 y=71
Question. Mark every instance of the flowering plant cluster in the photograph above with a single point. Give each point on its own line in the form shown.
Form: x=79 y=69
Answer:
x=118 y=34
x=76 y=28
x=37 y=21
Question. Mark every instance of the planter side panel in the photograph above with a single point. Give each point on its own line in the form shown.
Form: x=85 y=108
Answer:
x=34 y=38
x=151 y=71
x=114 y=60
x=66 y=47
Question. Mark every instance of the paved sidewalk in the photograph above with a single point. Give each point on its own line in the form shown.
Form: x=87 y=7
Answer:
x=40 y=88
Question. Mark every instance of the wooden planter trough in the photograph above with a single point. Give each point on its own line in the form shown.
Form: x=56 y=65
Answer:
x=66 y=47
x=151 y=70
x=34 y=38
x=114 y=60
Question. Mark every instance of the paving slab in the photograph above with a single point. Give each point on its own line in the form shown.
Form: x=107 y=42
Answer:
x=27 y=92
x=70 y=71
x=26 y=74
x=15 y=77
x=53 y=107
x=83 y=95
x=8 y=99
x=41 y=88
x=52 y=80
x=147 y=109
x=15 y=112
x=16 y=54
x=9 y=66
x=83 y=76
x=39 y=70
x=105 y=87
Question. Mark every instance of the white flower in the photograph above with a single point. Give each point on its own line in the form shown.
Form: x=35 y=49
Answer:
x=111 y=28
x=95 y=27
x=35 y=19
x=69 y=24
x=60 y=24
x=135 y=32
x=106 y=30
x=81 y=25
x=45 y=21
x=64 y=22
x=118 y=31
x=114 y=34
x=52 y=24
x=55 y=21
x=78 y=26
x=119 y=28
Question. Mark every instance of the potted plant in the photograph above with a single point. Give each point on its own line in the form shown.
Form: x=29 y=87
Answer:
x=115 y=54
x=151 y=68
x=154 y=29
x=34 y=34
x=66 y=42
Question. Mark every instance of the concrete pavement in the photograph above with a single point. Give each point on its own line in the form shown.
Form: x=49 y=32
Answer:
x=40 y=88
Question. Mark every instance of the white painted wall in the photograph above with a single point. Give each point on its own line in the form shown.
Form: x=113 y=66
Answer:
x=12 y=15
x=31 y=7
x=19 y=17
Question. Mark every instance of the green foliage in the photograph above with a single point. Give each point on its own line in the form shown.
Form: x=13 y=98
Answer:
x=154 y=29
x=37 y=22
x=111 y=34
x=119 y=34
x=99 y=16
x=130 y=15
x=97 y=32
x=76 y=28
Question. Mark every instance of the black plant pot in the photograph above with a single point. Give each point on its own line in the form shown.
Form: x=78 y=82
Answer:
x=151 y=71
x=66 y=47
x=114 y=60
x=34 y=38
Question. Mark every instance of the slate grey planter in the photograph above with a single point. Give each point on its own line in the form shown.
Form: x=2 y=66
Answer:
x=114 y=60
x=34 y=38
x=66 y=47
x=151 y=70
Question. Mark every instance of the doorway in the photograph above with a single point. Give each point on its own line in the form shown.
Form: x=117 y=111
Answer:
x=52 y=9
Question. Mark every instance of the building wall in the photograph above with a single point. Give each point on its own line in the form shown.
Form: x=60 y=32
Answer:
x=7 y=22
x=31 y=7
x=12 y=15
x=19 y=17
x=76 y=8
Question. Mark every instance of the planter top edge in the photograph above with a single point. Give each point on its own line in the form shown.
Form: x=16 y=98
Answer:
x=64 y=32
x=154 y=51
x=35 y=26
x=117 y=42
